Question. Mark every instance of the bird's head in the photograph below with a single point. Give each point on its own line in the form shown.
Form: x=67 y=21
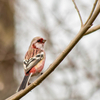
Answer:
x=38 y=42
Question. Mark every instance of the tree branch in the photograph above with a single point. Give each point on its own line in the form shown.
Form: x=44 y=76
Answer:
x=78 y=13
x=92 y=11
x=51 y=68
x=93 y=29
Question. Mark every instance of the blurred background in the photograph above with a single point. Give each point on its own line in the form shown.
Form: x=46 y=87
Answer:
x=77 y=77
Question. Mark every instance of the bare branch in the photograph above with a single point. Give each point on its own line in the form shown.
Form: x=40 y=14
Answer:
x=59 y=59
x=78 y=13
x=92 y=11
x=93 y=29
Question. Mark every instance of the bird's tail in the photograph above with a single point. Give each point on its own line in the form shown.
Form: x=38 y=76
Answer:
x=24 y=83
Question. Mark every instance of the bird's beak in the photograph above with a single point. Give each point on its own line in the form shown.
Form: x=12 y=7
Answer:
x=44 y=41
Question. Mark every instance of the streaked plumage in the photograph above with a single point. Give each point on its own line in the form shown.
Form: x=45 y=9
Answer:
x=34 y=60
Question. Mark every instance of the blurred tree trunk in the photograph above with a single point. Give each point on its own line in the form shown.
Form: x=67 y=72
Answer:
x=7 y=50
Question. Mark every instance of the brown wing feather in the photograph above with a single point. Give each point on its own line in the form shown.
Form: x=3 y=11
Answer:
x=32 y=52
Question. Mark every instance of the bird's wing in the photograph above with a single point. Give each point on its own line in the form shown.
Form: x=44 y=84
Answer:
x=28 y=64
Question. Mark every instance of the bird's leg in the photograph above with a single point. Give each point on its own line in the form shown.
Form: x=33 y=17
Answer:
x=41 y=73
x=29 y=83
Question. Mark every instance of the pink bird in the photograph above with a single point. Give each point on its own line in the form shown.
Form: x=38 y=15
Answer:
x=34 y=60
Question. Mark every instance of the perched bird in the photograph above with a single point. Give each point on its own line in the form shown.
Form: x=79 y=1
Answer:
x=34 y=60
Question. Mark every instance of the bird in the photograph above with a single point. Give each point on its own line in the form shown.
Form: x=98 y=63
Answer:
x=34 y=61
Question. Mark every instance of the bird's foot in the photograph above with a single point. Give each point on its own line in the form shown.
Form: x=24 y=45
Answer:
x=29 y=83
x=41 y=73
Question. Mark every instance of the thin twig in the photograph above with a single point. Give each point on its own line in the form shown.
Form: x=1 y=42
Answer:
x=93 y=29
x=78 y=13
x=92 y=11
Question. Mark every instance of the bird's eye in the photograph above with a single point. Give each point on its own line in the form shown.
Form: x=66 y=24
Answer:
x=38 y=41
